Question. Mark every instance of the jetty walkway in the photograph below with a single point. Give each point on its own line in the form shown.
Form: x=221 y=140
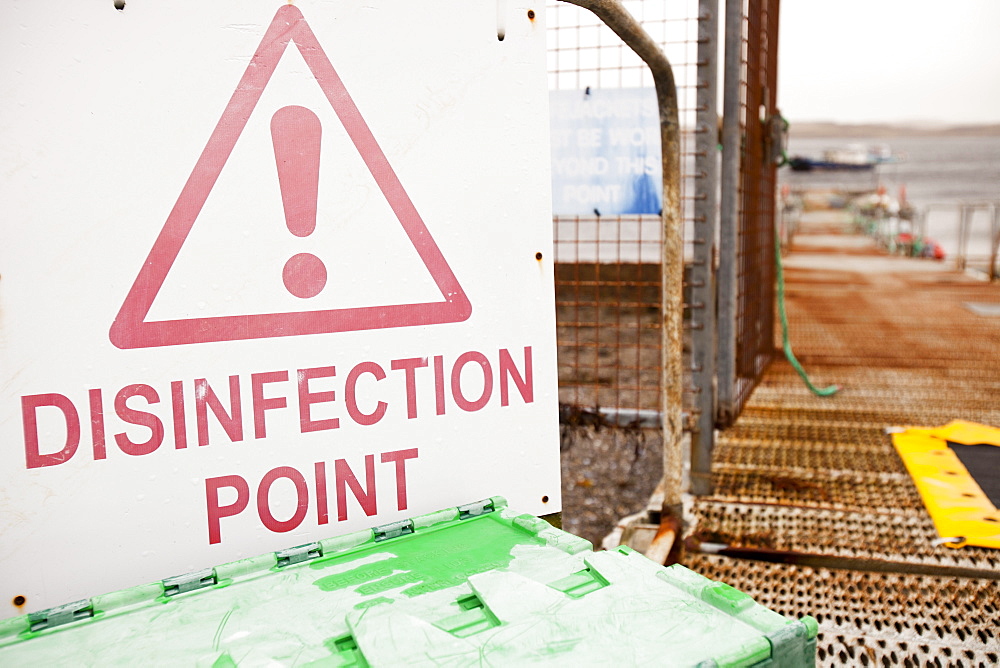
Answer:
x=813 y=512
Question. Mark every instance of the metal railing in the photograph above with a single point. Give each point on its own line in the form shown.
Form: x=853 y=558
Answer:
x=965 y=223
x=911 y=235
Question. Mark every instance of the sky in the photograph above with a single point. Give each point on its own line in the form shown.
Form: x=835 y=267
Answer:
x=860 y=61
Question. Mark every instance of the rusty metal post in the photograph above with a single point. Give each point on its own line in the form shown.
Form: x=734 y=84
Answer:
x=994 y=270
x=623 y=24
x=729 y=223
x=964 y=223
x=702 y=307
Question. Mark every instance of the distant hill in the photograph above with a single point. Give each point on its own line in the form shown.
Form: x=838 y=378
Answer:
x=805 y=130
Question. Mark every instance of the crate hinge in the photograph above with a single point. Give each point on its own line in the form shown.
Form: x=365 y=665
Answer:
x=61 y=614
x=180 y=584
x=392 y=530
x=475 y=509
x=298 y=554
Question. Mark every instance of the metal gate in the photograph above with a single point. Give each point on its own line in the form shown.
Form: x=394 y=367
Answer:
x=608 y=271
x=751 y=137
x=608 y=268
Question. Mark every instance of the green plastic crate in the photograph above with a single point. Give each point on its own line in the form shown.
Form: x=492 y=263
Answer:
x=473 y=585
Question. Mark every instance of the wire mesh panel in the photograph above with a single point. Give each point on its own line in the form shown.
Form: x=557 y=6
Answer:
x=608 y=267
x=608 y=311
x=746 y=344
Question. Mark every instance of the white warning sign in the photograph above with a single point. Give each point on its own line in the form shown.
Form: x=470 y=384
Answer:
x=266 y=280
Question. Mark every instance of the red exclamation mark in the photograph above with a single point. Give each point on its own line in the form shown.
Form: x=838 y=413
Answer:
x=296 y=133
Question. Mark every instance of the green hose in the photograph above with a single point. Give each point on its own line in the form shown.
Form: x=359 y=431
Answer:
x=785 y=343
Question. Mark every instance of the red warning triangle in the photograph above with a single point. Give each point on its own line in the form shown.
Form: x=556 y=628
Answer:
x=131 y=329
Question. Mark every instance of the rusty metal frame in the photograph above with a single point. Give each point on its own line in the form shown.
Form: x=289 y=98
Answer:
x=623 y=24
x=994 y=269
x=702 y=306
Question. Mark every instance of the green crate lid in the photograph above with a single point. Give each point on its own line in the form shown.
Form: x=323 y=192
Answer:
x=473 y=585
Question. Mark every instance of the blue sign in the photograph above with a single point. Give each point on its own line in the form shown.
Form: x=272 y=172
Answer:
x=605 y=152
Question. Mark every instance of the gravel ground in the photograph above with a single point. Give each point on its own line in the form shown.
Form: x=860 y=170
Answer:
x=607 y=474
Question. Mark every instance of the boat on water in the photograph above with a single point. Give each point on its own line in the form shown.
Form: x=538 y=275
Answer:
x=855 y=157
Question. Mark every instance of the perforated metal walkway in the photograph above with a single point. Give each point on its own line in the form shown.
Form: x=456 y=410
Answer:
x=812 y=509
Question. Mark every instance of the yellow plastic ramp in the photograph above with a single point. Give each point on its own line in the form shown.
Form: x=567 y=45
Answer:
x=962 y=512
